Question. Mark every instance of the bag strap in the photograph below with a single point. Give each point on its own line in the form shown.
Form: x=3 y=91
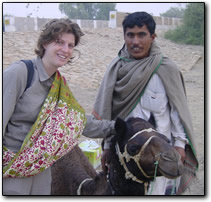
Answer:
x=30 y=72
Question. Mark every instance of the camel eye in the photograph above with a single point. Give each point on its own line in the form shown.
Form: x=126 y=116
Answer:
x=133 y=149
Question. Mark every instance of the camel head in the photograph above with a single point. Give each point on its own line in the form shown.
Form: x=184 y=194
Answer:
x=141 y=147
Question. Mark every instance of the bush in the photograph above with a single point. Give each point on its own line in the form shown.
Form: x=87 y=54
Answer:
x=192 y=29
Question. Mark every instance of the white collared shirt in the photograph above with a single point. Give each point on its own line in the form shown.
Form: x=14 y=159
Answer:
x=167 y=119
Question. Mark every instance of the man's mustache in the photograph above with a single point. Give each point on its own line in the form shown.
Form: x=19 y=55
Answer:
x=136 y=47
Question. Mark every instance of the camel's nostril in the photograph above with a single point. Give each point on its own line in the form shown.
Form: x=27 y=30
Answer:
x=170 y=156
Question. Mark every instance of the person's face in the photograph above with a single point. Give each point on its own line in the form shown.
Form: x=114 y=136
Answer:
x=138 y=41
x=59 y=52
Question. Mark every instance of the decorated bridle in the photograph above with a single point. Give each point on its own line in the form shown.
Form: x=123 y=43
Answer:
x=126 y=157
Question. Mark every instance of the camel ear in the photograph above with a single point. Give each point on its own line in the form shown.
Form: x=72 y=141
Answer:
x=120 y=126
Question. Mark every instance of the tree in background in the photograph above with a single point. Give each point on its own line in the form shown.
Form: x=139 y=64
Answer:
x=103 y=10
x=174 y=12
x=88 y=11
x=192 y=29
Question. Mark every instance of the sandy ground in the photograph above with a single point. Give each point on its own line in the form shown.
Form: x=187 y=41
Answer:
x=98 y=47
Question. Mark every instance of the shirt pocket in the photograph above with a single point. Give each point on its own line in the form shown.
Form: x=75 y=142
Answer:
x=154 y=102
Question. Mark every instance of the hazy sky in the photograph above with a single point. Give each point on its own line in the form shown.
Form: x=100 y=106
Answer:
x=51 y=10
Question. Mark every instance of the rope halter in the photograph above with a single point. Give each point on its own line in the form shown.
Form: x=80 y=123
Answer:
x=81 y=184
x=125 y=155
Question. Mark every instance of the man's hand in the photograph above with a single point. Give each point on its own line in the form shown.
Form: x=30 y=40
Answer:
x=181 y=151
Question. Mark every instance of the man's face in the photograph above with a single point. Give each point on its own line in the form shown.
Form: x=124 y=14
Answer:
x=138 y=41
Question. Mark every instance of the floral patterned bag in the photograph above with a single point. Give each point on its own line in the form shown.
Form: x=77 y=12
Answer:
x=56 y=131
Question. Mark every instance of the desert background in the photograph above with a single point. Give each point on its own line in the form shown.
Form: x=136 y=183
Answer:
x=97 y=48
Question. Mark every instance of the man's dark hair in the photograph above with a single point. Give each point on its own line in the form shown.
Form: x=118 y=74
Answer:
x=139 y=19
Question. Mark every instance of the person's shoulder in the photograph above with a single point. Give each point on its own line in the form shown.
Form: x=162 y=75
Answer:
x=17 y=72
x=17 y=67
x=114 y=60
x=170 y=64
x=113 y=63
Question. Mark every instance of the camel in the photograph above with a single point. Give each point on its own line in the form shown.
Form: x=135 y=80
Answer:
x=135 y=148
x=138 y=153
x=73 y=174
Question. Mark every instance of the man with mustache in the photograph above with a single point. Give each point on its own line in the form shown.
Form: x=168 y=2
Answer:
x=141 y=81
